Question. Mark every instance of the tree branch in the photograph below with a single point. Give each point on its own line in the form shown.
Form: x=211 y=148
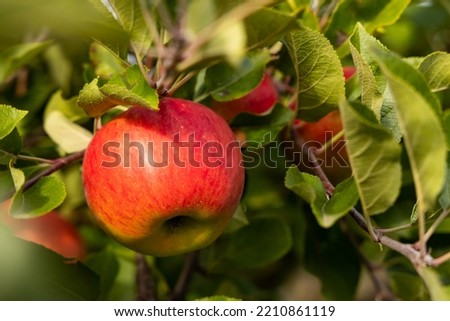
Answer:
x=190 y=265
x=408 y=250
x=144 y=280
x=56 y=165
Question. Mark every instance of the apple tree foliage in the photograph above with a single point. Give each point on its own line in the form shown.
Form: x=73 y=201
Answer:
x=383 y=233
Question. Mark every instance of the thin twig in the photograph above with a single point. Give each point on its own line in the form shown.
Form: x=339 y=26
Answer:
x=56 y=165
x=144 y=280
x=190 y=265
x=435 y=224
x=180 y=83
x=441 y=259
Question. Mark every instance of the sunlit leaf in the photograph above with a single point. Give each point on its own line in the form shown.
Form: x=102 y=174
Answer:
x=10 y=118
x=436 y=69
x=59 y=123
x=130 y=88
x=130 y=16
x=320 y=81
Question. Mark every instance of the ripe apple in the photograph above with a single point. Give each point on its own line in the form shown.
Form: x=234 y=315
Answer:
x=260 y=101
x=334 y=159
x=164 y=182
x=348 y=71
x=50 y=230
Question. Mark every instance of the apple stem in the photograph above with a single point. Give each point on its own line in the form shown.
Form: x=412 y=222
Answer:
x=189 y=267
x=144 y=280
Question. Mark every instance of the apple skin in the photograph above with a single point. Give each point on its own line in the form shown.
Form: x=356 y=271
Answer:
x=334 y=159
x=260 y=101
x=49 y=230
x=348 y=71
x=164 y=210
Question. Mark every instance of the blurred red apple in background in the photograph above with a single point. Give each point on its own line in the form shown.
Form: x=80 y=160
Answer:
x=164 y=182
x=49 y=230
x=260 y=101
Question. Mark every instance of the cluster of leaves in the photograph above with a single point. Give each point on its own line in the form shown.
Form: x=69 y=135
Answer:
x=80 y=61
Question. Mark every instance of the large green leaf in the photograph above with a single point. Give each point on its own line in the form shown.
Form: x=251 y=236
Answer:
x=423 y=135
x=227 y=82
x=59 y=123
x=274 y=241
x=436 y=69
x=374 y=157
x=265 y=27
x=10 y=118
x=130 y=16
x=131 y=88
x=19 y=55
x=320 y=81
x=32 y=272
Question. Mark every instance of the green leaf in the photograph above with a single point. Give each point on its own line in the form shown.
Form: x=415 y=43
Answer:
x=320 y=81
x=261 y=130
x=274 y=241
x=417 y=111
x=444 y=197
x=344 y=198
x=446 y=122
x=226 y=82
x=266 y=27
x=331 y=257
x=17 y=176
x=438 y=292
x=130 y=16
x=106 y=265
x=47 y=194
x=436 y=69
x=374 y=157
x=372 y=14
x=10 y=118
x=408 y=286
x=106 y=63
x=310 y=188
x=32 y=272
x=59 y=124
x=130 y=88
x=17 y=56
x=11 y=144
x=375 y=93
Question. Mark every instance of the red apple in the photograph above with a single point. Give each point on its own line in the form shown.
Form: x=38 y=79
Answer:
x=348 y=71
x=260 y=101
x=164 y=182
x=49 y=230
x=333 y=158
